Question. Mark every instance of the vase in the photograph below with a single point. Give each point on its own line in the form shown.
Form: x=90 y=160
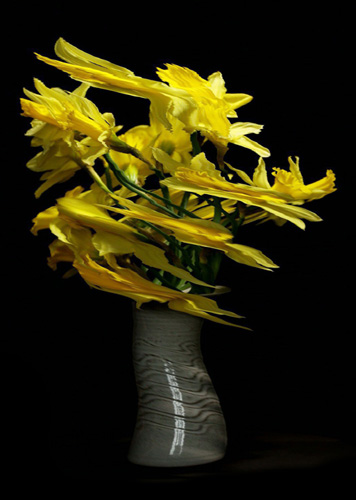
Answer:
x=179 y=419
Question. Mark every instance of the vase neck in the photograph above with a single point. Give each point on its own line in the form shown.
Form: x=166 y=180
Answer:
x=162 y=321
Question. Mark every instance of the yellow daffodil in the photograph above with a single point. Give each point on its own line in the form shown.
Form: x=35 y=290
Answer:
x=203 y=178
x=215 y=106
x=73 y=245
x=72 y=239
x=56 y=163
x=60 y=252
x=288 y=184
x=103 y=74
x=199 y=232
x=111 y=236
x=200 y=104
x=130 y=284
x=60 y=119
x=118 y=238
x=68 y=111
x=292 y=183
x=176 y=143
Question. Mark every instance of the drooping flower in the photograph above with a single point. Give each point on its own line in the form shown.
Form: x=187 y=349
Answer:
x=203 y=178
x=292 y=183
x=288 y=184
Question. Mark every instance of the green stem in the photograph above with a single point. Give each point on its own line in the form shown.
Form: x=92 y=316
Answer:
x=176 y=247
x=118 y=145
x=170 y=239
x=195 y=143
x=184 y=201
x=144 y=193
x=108 y=179
x=94 y=175
x=159 y=276
x=217 y=210
x=237 y=222
x=178 y=250
x=236 y=225
x=121 y=177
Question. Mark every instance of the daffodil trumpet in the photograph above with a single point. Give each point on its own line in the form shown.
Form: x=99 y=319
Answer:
x=159 y=216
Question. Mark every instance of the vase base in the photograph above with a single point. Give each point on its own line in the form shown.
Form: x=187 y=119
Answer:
x=176 y=462
x=156 y=446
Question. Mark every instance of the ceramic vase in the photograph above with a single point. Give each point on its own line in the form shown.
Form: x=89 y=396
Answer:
x=179 y=420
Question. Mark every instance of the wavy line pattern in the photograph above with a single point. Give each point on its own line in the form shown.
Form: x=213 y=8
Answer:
x=179 y=420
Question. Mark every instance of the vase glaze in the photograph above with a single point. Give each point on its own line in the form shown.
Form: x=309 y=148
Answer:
x=179 y=419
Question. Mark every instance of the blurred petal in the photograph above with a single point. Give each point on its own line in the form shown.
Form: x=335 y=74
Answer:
x=129 y=284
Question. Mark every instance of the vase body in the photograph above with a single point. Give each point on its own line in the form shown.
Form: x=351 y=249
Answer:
x=179 y=420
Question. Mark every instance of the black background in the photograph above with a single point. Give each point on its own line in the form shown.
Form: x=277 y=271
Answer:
x=67 y=382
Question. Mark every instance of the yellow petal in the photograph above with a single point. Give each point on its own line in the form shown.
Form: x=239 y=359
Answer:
x=260 y=177
x=270 y=200
x=118 y=238
x=149 y=254
x=44 y=219
x=129 y=284
x=107 y=76
x=60 y=252
x=197 y=232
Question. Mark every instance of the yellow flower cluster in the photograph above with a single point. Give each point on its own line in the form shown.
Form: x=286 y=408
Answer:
x=158 y=216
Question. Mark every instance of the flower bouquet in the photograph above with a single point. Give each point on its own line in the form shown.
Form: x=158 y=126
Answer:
x=161 y=208
x=158 y=215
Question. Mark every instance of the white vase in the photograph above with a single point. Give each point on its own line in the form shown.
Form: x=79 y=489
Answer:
x=179 y=420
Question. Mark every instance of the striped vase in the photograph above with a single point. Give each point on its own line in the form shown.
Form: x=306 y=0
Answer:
x=179 y=420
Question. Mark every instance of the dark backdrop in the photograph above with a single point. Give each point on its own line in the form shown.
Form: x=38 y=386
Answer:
x=67 y=375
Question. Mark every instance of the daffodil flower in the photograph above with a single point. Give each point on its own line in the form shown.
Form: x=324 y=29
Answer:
x=128 y=283
x=111 y=236
x=103 y=74
x=203 y=178
x=69 y=111
x=292 y=183
x=176 y=143
x=70 y=130
x=56 y=163
x=70 y=220
x=214 y=107
x=201 y=105
x=91 y=136
x=289 y=185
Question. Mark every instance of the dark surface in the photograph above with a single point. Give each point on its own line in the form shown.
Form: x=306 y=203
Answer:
x=264 y=457
x=288 y=388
